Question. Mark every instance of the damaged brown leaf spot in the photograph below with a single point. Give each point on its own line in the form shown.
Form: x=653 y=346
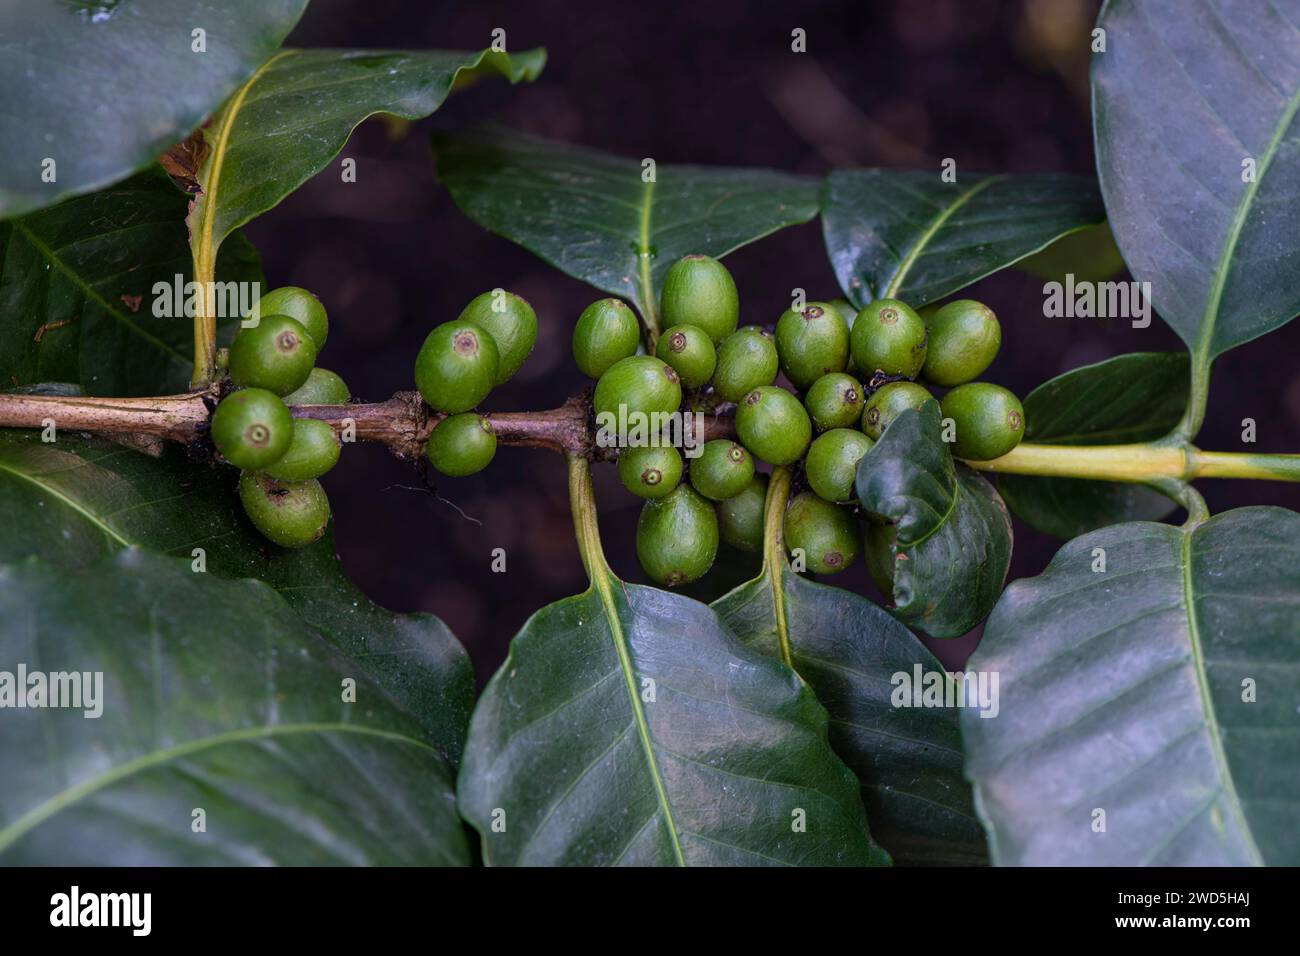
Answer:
x=49 y=327
x=184 y=160
x=132 y=302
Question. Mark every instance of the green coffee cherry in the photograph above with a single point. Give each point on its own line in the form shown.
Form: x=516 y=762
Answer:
x=641 y=384
x=811 y=343
x=252 y=428
x=964 y=340
x=722 y=471
x=677 y=537
x=845 y=308
x=457 y=366
x=747 y=359
x=276 y=355
x=835 y=401
x=511 y=322
x=889 y=337
x=312 y=452
x=888 y=402
x=607 y=332
x=689 y=350
x=989 y=420
x=698 y=290
x=299 y=305
x=461 y=445
x=832 y=465
x=291 y=514
x=826 y=533
x=773 y=425
x=322 y=387
x=878 y=543
x=740 y=517
x=650 y=471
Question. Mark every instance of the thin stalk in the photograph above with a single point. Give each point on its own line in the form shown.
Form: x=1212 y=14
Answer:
x=582 y=502
x=778 y=495
x=1198 y=397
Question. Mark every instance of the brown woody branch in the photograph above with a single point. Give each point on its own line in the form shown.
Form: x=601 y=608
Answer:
x=402 y=423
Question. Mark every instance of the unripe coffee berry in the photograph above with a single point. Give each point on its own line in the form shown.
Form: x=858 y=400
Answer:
x=301 y=306
x=650 y=471
x=511 y=322
x=457 y=366
x=747 y=359
x=773 y=425
x=811 y=342
x=276 y=355
x=291 y=514
x=889 y=337
x=964 y=340
x=638 y=386
x=462 y=444
x=826 y=533
x=740 y=517
x=677 y=537
x=252 y=428
x=832 y=465
x=890 y=401
x=689 y=350
x=699 y=291
x=722 y=470
x=322 y=387
x=312 y=452
x=988 y=420
x=607 y=332
x=835 y=401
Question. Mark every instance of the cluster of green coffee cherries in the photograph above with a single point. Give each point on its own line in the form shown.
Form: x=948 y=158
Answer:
x=855 y=372
x=272 y=364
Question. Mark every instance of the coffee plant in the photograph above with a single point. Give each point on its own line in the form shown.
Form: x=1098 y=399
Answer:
x=166 y=565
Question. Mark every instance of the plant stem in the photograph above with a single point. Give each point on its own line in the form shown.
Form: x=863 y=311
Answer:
x=778 y=495
x=1141 y=463
x=1099 y=462
x=582 y=502
x=1197 y=398
x=205 y=329
x=403 y=424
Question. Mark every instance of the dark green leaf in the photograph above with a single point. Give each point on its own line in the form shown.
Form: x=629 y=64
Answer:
x=215 y=697
x=104 y=88
x=75 y=501
x=590 y=214
x=628 y=726
x=1189 y=100
x=1129 y=398
x=77 y=303
x=908 y=760
x=909 y=235
x=1161 y=691
x=295 y=114
x=1089 y=255
x=953 y=541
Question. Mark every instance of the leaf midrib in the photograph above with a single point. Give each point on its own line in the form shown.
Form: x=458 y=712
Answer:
x=1229 y=785
x=70 y=795
x=89 y=291
x=643 y=254
x=60 y=496
x=604 y=589
x=205 y=246
x=1210 y=318
x=909 y=260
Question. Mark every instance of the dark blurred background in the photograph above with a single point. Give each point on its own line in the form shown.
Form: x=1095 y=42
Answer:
x=996 y=85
